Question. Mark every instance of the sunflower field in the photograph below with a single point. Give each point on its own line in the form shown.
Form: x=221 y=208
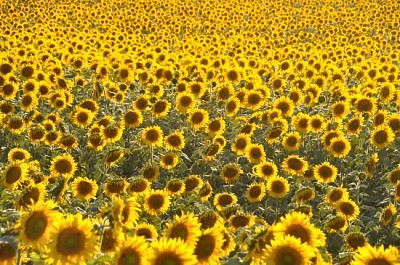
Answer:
x=191 y=132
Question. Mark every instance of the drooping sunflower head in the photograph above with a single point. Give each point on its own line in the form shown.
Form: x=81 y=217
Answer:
x=138 y=186
x=231 y=172
x=115 y=187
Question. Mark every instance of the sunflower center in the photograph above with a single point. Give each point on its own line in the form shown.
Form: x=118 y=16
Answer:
x=156 y=201
x=168 y=258
x=288 y=256
x=205 y=247
x=63 y=166
x=347 y=208
x=364 y=105
x=255 y=153
x=230 y=172
x=6 y=251
x=36 y=225
x=303 y=123
x=152 y=135
x=185 y=101
x=300 y=232
x=277 y=187
x=254 y=99
x=197 y=118
x=325 y=172
x=13 y=174
x=70 y=241
x=241 y=144
x=338 y=147
x=291 y=141
x=160 y=107
x=82 y=117
x=138 y=186
x=255 y=191
x=179 y=231
x=129 y=257
x=168 y=159
x=295 y=164
x=379 y=261
x=381 y=137
x=316 y=124
x=231 y=106
x=174 y=140
x=240 y=221
x=335 y=195
x=339 y=109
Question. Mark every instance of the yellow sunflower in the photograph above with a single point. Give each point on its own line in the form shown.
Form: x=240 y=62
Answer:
x=8 y=252
x=325 y=172
x=185 y=227
x=31 y=195
x=63 y=165
x=171 y=251
x=295 y=165
x=371 y=255
x=146 y=230
x=291 y=141
x=37 y=224
x=298 y=225
x=348 y=209
x=169 y=160
x=255 y=192
x=288 y=250
x=132 y=118
x=240 y=143
x=73 y=241
x=82 y=117
x=125 y=212
x=277 y=187
x=255 y=153
x=382 y=136
x=198 y=118
x=175 y=141
x=208 y=246
x=339 y=147
x=132 y=250
x=152 y=136
x=18 y=154
x=84 y=188
x=265 y=170
x=224 y=199
x=13 y=175
x=184 y=102
x=231 y=173
x=156 y=202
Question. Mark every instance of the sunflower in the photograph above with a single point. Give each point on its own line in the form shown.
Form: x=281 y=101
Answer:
x=184 y=102
x=175 y=187
x=224 y=199
x=152 y=136
x=115 y=187
x=169 y=160
x=253 y=100
x=295 y=165
x=255 y=153
x=124 y=212
x=208 y=247
x=240 y=143
x=394 y=176
x=296 y=96
x=171 y=251
x=354 y=125
x=150 y=172
x=198 y=118
x=382 y=137
x=205 y=192
x=370 y=255
x=31 y=194
x=387 y=214
x=255 y=192
x=18 y=154
x=84 y=188
x=325 y=172
x=265 y=170
x=304 y=195
x=285 y=105
x=185 y=227
x=112 y=133
x=63 y=165
x=146 y=230
x=394 y=122
x=216 y=127
x=14 y=124
x=298 y=225
x=95 y=141
x=132 y=250
x=73 y=241
x=229 y=243
x=161 y=108
x=210 y=219
x=317 y=123
x=340 y=110
x=301 y=122
x=232 y=106
x=355 y=240
x=68 y=142
x=336 y=224
x=339 y=147
x=365 y=104
x=240 y=220
x=291 y=141
x=8 y=251
x=138 y=186
x=348 y=209
x=288 y=250
x=387 y=92
x=37 y=225
x=277 y=187
x=110 y=240
x=328 y=136
x=82 y=117
x=14 y=175
x=192 y=183
x=335 y=195
x=29 y=101
x=231 y=173
x=156 y=202
x=175 y=141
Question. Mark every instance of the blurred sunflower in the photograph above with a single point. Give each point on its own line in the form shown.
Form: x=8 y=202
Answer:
x=138 y=186
x=150 y=172
x=115 y=187
x=265 y=170
x=255 y=192
x=232 y=106
x=184 y=102
x=255 y=153
x=198 y=118
x=387 y=213
x=354 y=240
x=335 y=195
x=37 y=224
x=146 y=230
x=208 y=246
x=291 y=141
x=171 y=251
x=18 y=154
x=132 y=250
x=240 y=143
x=169 y=160
x=376 y=254
x=175 y=141
x=339 y=147
x=185 y=227
x=73 y=241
